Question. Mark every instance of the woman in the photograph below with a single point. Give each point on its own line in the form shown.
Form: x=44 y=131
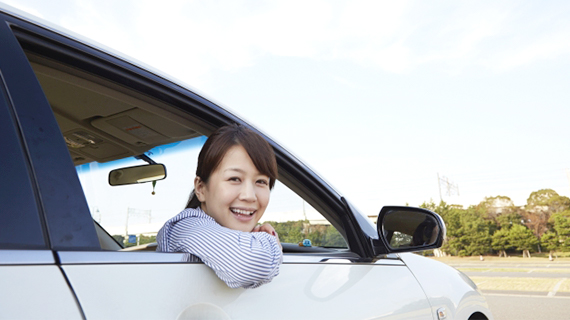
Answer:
x=236 y=171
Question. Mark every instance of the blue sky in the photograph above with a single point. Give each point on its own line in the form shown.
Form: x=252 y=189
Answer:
x=379 y=97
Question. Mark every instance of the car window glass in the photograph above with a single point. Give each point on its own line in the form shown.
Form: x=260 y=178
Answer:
x=296 y=220
x=133 y=214
x=140 y=210
x=107 y=127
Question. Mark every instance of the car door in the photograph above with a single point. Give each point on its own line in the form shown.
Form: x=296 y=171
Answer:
x=156 y=286
x=149 y=285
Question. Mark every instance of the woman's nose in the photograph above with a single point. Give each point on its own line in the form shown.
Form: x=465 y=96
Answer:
x=247 y=192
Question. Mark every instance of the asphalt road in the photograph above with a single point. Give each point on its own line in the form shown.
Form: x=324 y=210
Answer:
x=528 y=307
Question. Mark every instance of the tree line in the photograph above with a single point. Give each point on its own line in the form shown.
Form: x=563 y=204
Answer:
x=497 y=226
x=297 y=231
x=289 y=232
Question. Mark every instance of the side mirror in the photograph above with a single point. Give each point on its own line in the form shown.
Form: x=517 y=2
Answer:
x=408 y=229
x=138 y=174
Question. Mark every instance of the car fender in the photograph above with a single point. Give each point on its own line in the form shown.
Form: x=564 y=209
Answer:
x=447 y=287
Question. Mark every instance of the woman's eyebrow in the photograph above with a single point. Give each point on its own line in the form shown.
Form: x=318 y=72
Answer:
x=243 y=171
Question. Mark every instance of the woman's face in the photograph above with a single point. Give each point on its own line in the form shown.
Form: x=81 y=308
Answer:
x=236 y=194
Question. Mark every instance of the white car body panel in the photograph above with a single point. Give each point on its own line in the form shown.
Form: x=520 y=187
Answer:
x=446 y=287
x=321 y=290
x=37 y=292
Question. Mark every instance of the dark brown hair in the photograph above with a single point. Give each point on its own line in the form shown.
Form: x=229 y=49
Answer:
x=221 y=141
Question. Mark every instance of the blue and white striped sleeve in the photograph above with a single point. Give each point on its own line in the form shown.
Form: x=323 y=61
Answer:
x=240 y=259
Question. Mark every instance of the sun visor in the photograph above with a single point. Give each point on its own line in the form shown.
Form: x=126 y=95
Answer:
x=140 y=128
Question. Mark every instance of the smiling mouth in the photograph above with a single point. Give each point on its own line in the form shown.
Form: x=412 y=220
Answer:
x=242 y=212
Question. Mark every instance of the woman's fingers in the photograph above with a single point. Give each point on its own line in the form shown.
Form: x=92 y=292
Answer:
x=267 y=228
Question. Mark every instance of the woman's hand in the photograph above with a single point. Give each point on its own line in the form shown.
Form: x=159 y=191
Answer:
x=267 y=228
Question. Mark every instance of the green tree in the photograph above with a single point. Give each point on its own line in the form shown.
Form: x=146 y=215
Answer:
x=506 y=220
x=468 y=233
x=495 y=206
x=452 y=218
x=540 y=206
x=500 y=242
x=561 y=225
x=290 y=231
x=548 y=199
x=297 y=231
x=146 y=239
x=522 y=239
x=498 y=224
x=476 y=237
x=558 y=204
x=500 y=212
x=550 y=242
x=333 y=238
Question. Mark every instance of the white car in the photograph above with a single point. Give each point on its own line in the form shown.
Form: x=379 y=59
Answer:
x=81 y=129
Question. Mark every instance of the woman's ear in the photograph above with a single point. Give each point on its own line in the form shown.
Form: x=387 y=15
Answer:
x=199 y=187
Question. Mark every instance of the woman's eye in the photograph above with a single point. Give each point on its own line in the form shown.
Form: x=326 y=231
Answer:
x=262 y=181
x=236 y=179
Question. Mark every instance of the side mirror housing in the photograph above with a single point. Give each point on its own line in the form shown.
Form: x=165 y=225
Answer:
x=137 y=174
x=408 y=229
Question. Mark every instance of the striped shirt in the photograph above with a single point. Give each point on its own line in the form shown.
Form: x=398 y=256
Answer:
x=240 y=259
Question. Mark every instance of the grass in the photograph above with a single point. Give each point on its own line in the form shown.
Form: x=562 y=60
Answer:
x=565 y=287
x=518 y=284
x=521 y=270
x=510 y=260
x=545 y=255
x=493 y=269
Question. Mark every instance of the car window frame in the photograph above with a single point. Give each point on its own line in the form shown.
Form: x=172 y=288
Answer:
x=17 y=194
x=59 y=194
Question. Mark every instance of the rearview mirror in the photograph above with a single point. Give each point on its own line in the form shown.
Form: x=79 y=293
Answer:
x=138 y=174
x=407 y=229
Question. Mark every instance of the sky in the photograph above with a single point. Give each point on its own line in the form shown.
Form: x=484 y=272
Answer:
x=379 y=97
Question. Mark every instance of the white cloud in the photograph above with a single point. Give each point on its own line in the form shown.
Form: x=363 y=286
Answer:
x=548 y=47
x=394 y=36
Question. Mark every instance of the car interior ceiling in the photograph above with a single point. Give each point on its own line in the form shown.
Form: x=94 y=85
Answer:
x=101 y=123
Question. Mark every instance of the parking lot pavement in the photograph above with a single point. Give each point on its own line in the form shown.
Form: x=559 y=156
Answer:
x=528 y=307
x=521 y=289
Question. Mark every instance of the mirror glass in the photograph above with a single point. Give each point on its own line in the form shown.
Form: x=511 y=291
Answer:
x=409 y=229
x=138 y=174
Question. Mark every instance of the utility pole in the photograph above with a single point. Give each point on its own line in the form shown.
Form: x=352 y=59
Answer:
x=136 y=214
x=449 y=186
x=127 y=228
x=439 y=186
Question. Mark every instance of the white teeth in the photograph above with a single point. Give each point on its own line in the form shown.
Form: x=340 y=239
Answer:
x=239 y=211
